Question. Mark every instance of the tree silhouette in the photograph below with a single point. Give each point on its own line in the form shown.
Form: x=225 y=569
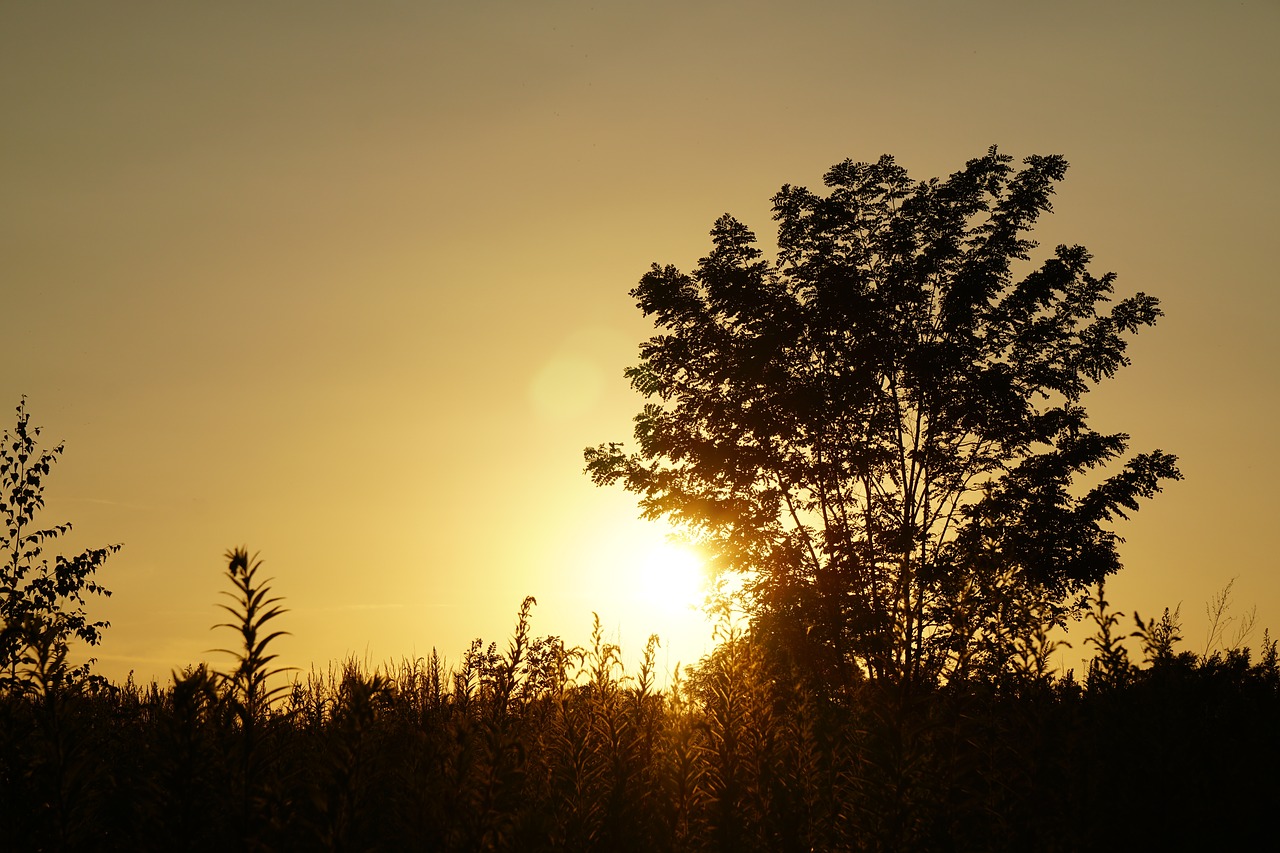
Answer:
x=883 y=425
x=42 y=606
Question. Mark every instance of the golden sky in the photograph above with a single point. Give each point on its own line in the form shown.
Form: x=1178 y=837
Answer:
x=347 y=283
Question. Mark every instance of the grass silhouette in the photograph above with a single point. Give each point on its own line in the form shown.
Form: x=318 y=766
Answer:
x=545 y=746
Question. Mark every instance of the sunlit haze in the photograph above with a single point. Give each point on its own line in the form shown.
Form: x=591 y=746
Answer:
x=347 y=284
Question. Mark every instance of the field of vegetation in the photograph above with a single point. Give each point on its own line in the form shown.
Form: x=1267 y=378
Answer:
x=540 y=746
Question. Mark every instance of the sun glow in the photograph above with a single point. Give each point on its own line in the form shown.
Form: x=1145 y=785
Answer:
x=671 y=577
x=640 y=580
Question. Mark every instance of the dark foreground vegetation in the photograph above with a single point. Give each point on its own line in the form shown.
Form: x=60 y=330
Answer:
x=882 y=432
x=543 y=747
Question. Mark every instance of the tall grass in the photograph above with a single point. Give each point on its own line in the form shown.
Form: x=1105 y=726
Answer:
x=537 y=745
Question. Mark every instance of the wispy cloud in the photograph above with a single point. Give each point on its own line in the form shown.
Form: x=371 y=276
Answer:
x=339 y=608
x=104 y=502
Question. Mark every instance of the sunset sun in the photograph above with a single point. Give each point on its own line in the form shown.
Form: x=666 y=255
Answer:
x=671 y=577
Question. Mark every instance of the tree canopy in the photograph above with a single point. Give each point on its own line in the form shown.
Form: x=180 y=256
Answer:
x=883 y=427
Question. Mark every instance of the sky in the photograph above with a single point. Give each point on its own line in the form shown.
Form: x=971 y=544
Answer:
x=347 y=284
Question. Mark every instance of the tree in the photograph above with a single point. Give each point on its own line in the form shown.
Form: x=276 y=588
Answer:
x=883 y=427
x=42 y=606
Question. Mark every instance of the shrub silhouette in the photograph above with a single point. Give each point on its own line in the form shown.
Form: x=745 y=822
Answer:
x=42 y=600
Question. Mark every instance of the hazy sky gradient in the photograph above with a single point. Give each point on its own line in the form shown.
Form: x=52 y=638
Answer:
x=348 y=283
